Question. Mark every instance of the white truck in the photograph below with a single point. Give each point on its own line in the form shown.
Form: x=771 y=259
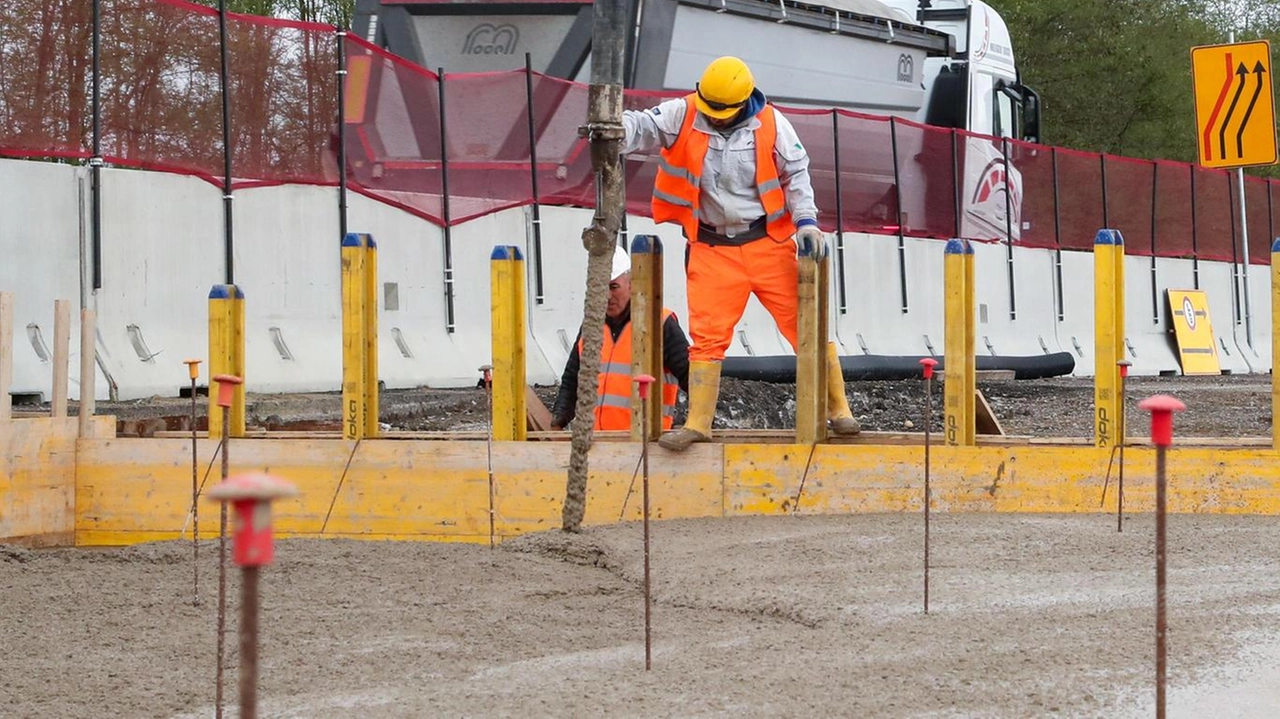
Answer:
x=947 y=63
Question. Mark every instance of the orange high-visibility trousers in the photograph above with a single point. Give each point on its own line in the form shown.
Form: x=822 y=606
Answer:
x=719 y=281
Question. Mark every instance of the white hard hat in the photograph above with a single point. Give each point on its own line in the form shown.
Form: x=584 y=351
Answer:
x=621 y=263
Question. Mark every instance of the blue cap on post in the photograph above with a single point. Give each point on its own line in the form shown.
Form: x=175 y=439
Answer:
x=956 y=247
x=506 y=252
x=226 y=292
x=646 y=244
x=1275 y=245
x=359 y=239
x=1109 y=237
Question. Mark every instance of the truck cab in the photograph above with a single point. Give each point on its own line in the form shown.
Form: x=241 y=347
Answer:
x=978 y=88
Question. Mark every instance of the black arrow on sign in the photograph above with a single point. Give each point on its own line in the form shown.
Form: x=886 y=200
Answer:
x=1259 y=71
x=1241 y=73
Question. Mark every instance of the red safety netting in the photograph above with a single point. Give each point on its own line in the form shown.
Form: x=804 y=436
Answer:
x=162 y=110
x=1129 y=184
x=1260 y=213
x=1214 y=228
x=1079 y=198
x=927 y=170
x=160 y=88
x=868 y=199
x=44 y=80
x=1173 y=236
x=1039 y=219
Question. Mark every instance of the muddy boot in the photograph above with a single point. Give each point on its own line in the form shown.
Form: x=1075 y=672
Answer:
x=839 y=417
x=704 y=390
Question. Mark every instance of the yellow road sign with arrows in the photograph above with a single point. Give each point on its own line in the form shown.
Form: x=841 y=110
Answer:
x=1235 y=106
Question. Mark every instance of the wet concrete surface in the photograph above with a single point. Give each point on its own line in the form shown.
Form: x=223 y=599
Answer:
x=1031 y=615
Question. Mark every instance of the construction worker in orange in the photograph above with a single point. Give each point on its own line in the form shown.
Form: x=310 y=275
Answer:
x=613 y=407
x=735 y=176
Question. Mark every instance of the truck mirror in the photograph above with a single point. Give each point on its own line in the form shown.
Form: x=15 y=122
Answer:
x=1030 y=114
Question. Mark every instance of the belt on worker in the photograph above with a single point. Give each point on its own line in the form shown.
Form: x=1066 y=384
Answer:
x=733 y=235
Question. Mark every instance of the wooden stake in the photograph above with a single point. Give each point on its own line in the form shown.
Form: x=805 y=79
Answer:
x=88 y=374
x=6 y=354
x=61 y=355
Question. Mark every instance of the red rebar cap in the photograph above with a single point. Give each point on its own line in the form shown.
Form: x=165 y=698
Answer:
x=1162 y=407
x=1124 y=366
x=250 y=496
x=226 y=388
x=256 y=486
x=928 y=363
x=644 y=380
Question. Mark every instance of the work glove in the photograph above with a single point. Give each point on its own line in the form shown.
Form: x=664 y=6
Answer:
x=811 y=241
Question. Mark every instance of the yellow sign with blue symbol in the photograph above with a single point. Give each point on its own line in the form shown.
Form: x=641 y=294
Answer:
x=1189 y=310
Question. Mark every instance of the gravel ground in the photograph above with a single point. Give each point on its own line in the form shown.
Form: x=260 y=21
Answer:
x=1224 y=406
x=1031 y=615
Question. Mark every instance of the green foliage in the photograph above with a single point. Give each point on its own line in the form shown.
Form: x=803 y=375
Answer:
x=332 y=12
x=1114 y=75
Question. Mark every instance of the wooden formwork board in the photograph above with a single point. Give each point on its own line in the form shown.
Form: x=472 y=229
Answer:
x=37 y=480
x=131 y=490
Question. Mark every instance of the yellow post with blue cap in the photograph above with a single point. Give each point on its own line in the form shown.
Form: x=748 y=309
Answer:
x=226 y=354
x=960 y=365
x=1275 y=341
x=359 y=336
x=970 y=344
x=1108 y=317
x=646 y=334
x=506 y=289
x=811 y=354
x=371 y=398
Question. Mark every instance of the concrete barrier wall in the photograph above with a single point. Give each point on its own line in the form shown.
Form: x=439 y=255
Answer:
x=163 y=250
x=874 y=322
x=1260 y=310
x=40 y=241
x=1018 y=324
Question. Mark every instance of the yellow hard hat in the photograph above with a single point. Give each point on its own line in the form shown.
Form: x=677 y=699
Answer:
x=725 y=87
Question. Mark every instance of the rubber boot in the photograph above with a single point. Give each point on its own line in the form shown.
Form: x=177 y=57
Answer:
x=704 y=390
x=839 y=417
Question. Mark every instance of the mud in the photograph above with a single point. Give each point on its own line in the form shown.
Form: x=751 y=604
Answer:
x=1223 y=406
x=1031 y=615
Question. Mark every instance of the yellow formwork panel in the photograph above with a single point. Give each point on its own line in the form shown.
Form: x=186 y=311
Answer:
x=391 y=489
x=530 y=481
x=132 y=490
x=37 y=479
x=765 y=479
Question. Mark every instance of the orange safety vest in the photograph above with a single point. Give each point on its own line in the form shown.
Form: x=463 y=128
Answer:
x=613 y=408
x=675 y=191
